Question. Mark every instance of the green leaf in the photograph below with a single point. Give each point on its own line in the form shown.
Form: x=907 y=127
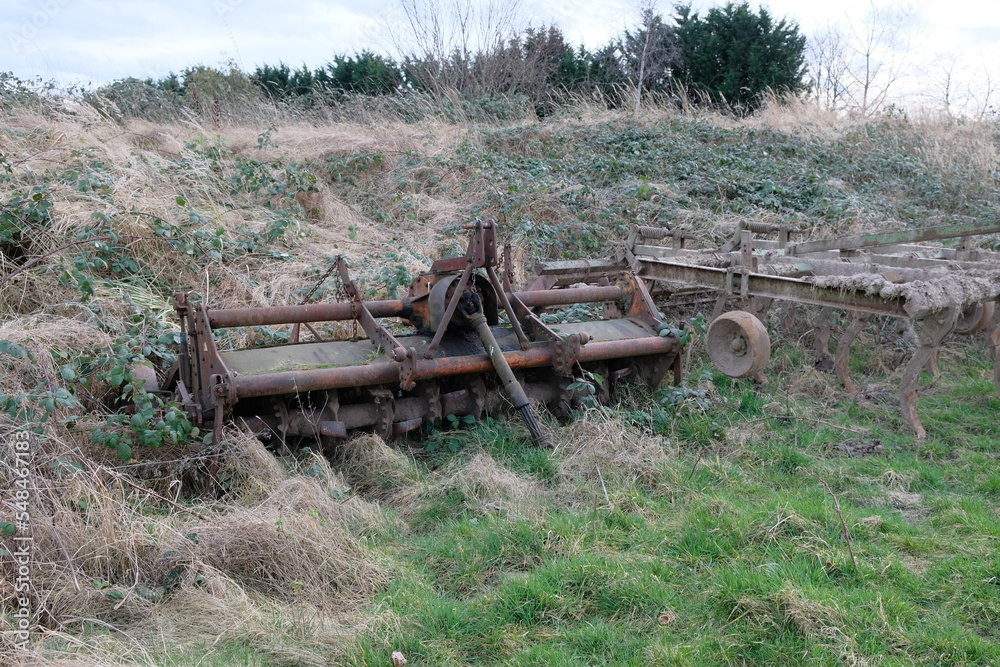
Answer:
x=152 y=438
x=7 y=529
x=181 y=201
x=12 y=349
x=115 y=595
x=68 y=373
x=124 y=451
x=116 y=377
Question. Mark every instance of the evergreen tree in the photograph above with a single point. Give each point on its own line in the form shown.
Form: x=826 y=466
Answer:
x=736 y=54
x=366 y=73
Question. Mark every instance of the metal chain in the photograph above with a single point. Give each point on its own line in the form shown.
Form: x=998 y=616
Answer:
x=338 y=290
x=319 y=283
x=342 y=293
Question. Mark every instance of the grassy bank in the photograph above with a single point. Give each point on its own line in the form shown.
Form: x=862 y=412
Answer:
x=717 y=523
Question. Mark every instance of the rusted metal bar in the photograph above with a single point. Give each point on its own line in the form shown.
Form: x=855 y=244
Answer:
x=643 y=251
x=776 y=287
x=829 y=267
x=537 y=356
x=330 y=312
x=505 y=302
x=890 y=238
x=921 y=262
x=314 y=312
x=939 y=252
x=564 y=297
x=578 y=267
x=511 y=386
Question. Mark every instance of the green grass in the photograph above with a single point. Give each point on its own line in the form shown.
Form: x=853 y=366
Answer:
x=739 y=545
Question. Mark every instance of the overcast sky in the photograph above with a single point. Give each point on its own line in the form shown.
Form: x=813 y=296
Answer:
x=95 y=41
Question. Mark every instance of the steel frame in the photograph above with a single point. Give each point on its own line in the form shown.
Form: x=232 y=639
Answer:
x=760 y=271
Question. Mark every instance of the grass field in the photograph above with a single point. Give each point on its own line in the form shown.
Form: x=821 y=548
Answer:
x=716 y=523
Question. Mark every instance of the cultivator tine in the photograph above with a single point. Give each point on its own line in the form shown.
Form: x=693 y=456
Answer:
x=995 y=343
x=821 y=338
x=842 y=356
x=934 y=330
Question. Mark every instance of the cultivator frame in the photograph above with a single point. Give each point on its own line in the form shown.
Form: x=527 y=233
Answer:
x=944 y=289
x=458 y=360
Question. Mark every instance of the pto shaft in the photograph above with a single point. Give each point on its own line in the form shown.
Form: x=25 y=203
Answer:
x=510 y=383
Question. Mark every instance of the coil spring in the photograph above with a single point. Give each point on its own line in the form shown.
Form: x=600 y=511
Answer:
x=760 y=227
x=654 y=232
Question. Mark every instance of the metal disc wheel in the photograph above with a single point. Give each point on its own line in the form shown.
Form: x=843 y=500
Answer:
x=738 y=344
x=975 y=318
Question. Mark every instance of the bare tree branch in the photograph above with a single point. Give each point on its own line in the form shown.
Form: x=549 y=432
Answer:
x=877 y=46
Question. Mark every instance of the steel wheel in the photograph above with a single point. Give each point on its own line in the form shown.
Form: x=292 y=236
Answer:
x=975 y=318
x=738 y=344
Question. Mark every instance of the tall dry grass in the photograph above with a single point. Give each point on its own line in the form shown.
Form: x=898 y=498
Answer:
x=276 y=555
x=148 y=165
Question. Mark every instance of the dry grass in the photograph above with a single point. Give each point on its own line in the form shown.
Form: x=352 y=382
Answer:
x=790 y=607
x=787 y=113
x=599 y=446
x=379 y=471
x=959 y=145
x=293 y=545
x=280 y=561
x=491 y=488
x=249 y=471
x=141 y=167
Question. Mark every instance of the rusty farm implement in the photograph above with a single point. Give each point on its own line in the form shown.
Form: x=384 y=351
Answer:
x=472 y=345
x=942 y=289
